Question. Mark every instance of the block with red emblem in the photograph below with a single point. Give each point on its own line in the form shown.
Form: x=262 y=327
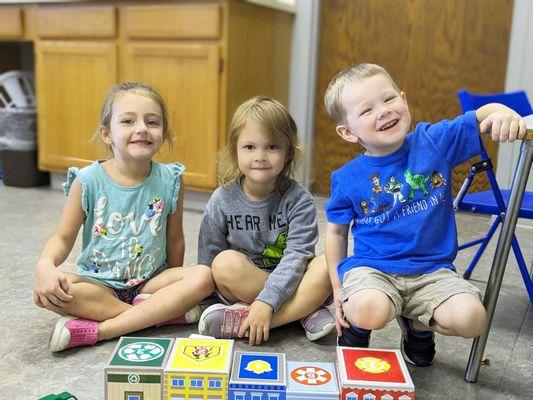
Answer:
x=198 y=369
x=373 y=374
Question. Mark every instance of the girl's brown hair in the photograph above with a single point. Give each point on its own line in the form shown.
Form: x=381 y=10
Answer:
x=137 y=88
x=274 y=118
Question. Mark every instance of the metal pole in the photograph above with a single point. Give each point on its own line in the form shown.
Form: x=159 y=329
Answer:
x=500 y=257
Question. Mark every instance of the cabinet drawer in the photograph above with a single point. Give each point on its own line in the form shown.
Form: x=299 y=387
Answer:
x=172 y=21
x=76 y=21
x=10 y=22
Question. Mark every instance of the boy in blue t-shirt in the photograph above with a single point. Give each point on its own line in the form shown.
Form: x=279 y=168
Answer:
x=397 y=196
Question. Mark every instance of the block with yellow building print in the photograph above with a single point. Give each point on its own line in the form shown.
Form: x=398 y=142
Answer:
x=198 y=369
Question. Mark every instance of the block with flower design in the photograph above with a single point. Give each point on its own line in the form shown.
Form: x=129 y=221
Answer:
x=311 y=380
x=373 y=374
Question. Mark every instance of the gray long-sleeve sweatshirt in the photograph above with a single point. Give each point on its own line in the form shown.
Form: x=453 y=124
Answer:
x=277 y=234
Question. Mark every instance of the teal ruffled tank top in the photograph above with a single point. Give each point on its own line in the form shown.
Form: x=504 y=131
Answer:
x=124 y=236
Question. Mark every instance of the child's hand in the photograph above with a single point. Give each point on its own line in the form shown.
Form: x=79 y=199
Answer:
x=503 y=126
x=340 y=321
x=258 y=322
x=51 y=289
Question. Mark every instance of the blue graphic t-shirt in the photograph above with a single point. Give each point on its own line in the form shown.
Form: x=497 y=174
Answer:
x=124 y=237
x=400 y=205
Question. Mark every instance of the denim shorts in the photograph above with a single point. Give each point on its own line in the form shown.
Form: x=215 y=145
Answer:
x=414 y=296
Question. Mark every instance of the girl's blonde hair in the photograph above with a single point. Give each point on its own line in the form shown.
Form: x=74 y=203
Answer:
x=355 y=72
x=137 y=88
x=274 y=119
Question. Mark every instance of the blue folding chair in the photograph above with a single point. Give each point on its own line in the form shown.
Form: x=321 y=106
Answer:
x=494 y=201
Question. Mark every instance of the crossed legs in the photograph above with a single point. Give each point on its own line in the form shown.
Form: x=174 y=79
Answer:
x=173 y=292
x=238 y=279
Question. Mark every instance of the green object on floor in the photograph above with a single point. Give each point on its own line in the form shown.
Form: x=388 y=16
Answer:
x=60 y=396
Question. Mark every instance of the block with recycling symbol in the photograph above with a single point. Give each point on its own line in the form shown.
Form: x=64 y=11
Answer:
x=135 y=369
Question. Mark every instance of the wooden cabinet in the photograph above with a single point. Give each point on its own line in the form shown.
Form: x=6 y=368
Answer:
x=10 y=22
x=72 y=79
x=204 y=58
x=175 y=21
x=187 y=76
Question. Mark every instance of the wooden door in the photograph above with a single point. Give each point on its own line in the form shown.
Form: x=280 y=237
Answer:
x=72 y=80
x=431 y=48
x=187 y=76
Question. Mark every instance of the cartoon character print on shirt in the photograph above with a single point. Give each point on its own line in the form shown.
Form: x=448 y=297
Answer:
x=272 y=253
x=134 y=265
x=416 y=182
x=379 y=199
x=365 y=207
x=437 y=180
x=394 y=188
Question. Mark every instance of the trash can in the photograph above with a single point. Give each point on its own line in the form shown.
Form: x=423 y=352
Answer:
x=18 y=148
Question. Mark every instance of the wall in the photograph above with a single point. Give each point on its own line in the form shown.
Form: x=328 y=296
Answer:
x=303 y=79
x=519 y=77
x=432 y=49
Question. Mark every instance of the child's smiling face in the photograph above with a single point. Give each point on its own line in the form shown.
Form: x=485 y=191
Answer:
x=136 y=130
x=377 y=115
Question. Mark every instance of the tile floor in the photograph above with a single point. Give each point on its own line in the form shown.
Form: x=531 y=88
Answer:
x=28 y=371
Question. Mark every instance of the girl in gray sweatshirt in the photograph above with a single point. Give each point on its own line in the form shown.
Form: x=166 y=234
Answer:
x=259 y=232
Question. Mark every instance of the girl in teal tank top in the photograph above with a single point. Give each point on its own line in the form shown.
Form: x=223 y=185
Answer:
x=130 y=274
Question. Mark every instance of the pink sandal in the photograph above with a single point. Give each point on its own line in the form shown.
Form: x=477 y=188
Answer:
x=71 y=332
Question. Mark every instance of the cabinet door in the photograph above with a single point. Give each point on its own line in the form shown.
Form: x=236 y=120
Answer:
x=72 y=80
x=187 y=76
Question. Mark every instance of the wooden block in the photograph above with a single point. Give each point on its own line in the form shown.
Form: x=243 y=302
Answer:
x=373 y=374
x=311 y=380
x=258 y=375
x=136 y=368
x=197 y=367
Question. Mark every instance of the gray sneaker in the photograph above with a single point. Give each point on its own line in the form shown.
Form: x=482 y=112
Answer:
x=318 y=324
x=222 y=321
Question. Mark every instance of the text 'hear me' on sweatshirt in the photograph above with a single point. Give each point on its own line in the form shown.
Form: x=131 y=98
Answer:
x=278 y=234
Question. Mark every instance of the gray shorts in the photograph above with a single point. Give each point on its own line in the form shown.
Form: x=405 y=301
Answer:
x=414 y=296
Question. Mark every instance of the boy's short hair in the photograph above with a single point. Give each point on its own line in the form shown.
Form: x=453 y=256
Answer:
x=354 y=72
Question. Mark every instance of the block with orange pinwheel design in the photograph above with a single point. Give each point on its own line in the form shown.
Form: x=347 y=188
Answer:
x=311 y=380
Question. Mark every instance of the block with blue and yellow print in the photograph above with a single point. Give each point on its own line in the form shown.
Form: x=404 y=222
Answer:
x=258 y=376
x=198 y=369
